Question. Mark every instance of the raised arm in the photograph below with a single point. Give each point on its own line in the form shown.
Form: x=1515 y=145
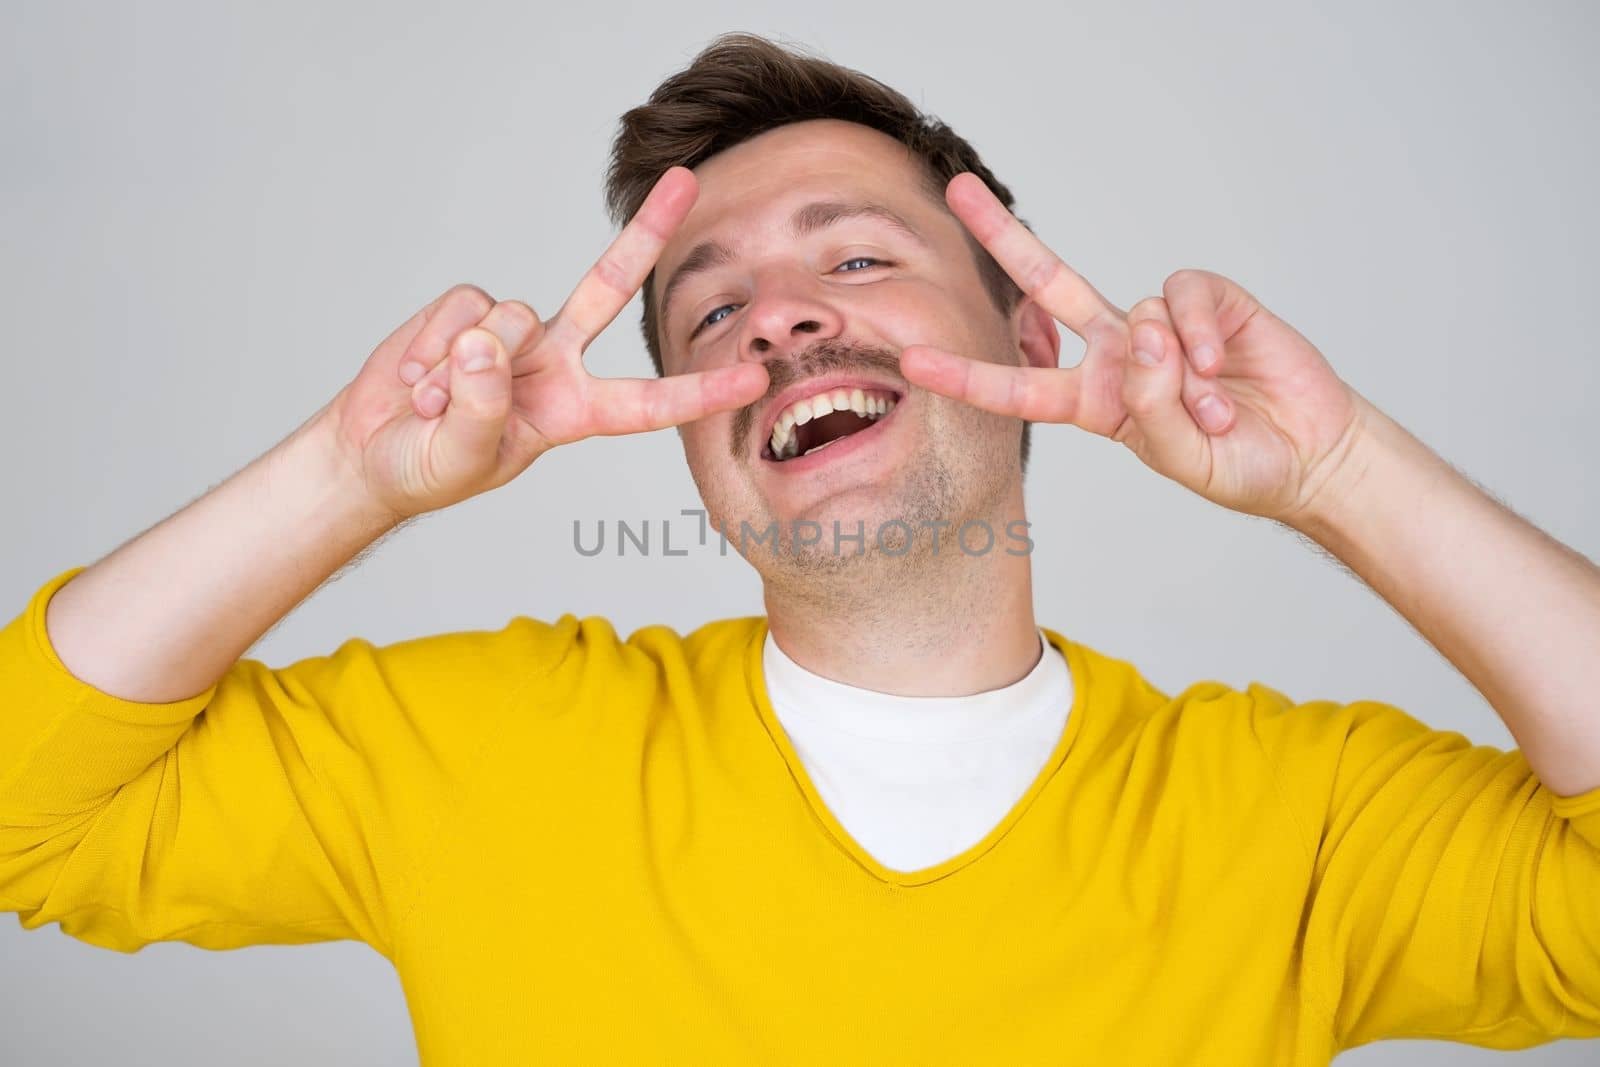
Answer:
x=494 y=387
x=154 y=786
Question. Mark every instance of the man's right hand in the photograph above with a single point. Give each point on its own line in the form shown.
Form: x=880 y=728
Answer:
x=456 y=433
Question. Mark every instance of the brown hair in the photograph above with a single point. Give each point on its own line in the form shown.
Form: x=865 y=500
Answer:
x=742 y=85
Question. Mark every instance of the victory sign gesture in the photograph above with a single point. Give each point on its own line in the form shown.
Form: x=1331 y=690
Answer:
x=470 y=391
x=1204 y=384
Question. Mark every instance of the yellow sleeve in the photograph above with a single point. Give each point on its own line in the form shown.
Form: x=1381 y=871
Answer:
x=280 y=806
x=1452 y=895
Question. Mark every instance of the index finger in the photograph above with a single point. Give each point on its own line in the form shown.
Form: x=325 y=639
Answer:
x=635 y=405
x=605 y=290
x=1037 y=394
x=1039 y=272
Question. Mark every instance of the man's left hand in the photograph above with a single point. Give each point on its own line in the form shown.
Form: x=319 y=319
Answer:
x=1285 y=421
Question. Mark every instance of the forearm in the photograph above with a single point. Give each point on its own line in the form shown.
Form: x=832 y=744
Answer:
x=166 y=614
x=1515 y=610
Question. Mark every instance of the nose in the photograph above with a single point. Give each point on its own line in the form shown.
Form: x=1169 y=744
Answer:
x=786 y=313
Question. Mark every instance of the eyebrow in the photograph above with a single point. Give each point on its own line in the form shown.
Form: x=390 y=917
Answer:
x=807 y=219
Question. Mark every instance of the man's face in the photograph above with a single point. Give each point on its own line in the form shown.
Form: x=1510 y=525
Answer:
x=828 y=304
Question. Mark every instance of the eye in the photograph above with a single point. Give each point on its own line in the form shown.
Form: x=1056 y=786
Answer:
x=709 y=320
x=858 y=259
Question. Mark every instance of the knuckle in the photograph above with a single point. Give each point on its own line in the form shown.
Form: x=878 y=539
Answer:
x=1151 y=307
x=1184 y=278
x=1041 y=273
x=1111 y=334
x=704 y=397
x=1141 y=402
x=516 y=322
x=611 y=271
x=521 y=314
x=1016 y=393
x=1108 y=322
x=467 y=295
x=648 y=404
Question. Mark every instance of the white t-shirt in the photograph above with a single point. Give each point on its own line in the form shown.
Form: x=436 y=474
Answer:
x=918 y=780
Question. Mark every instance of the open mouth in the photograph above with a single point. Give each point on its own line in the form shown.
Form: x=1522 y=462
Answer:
x=817 y=421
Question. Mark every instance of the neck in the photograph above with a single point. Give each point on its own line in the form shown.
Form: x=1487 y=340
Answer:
x=942 y=624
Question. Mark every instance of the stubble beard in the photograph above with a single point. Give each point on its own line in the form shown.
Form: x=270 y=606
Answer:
x=902 y=551
x=900 y=548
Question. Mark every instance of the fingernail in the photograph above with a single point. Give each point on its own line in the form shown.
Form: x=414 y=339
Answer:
x=410 y=372
x=1204 y=356
x=476 y=353
x=1212 y=413
x=1147 y=347
x=433 y=401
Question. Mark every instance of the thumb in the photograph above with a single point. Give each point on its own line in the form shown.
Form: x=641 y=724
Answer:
x=1164 y=434
x=466 y=446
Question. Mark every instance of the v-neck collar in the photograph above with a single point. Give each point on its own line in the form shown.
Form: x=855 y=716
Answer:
x=755 y=674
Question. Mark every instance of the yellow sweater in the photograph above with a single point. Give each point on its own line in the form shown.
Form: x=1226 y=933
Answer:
x=579 y=848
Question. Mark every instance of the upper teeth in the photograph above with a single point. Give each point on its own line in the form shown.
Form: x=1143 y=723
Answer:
x=868 y=403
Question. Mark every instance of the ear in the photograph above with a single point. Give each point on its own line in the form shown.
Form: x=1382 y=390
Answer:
x=1037 y=334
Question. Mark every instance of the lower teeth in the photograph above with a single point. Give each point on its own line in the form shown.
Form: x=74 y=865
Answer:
x=816 y=448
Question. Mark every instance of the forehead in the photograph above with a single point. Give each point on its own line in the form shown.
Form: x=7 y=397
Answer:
x=759 y=181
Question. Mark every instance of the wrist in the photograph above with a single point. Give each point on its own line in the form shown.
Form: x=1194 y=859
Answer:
x=1379 y=466
x=320 y=462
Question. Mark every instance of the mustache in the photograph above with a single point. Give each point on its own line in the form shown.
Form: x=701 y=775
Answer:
x=824 y=357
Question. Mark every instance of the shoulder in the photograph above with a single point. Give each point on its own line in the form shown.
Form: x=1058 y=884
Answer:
x=1256 y=709
x=573 y=652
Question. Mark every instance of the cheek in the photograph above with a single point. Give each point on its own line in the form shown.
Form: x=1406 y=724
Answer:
x=696 y=442
x=921 y=313
x=705 y=447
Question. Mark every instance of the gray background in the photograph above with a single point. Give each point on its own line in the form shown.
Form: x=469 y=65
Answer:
x=212 y=215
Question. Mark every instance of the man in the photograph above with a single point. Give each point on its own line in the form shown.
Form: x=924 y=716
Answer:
x=894 y=818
